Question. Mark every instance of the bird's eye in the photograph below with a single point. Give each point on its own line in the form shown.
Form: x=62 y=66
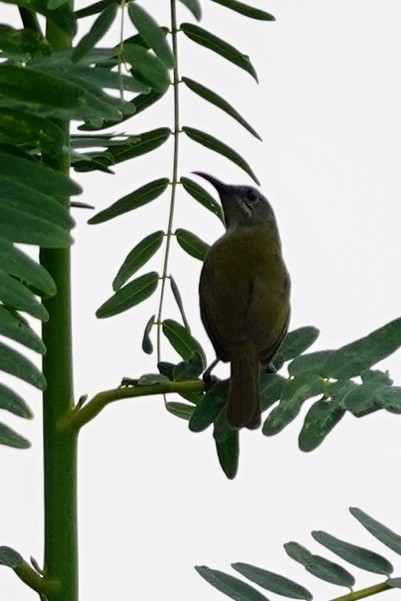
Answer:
x=251 y=195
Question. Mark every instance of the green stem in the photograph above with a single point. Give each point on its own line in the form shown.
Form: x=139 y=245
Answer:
x=82 y=416
x=365 y=592
x=60 y=444
x=176 y=132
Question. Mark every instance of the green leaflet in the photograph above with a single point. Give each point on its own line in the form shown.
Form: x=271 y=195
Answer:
x=138 y=257
x=195 y=8
x=133 y=147
x=132 y=201
x=147 y=68
x=193 y=245
x=357 y=556
x=214 y=144
x=12 y=402
x=218 y=101
x=130 y=295
x=228 y=455
x=150 y=31
x=17 y=365
x=320 y=566
x=319 y=421
x=209 y=407
x=181 y=410
x=16 y=295
x=177 y=297
x=10 y=438
x=23 y=127
x=93 y=9
x=22 y=41
x=244 y=9
x=202 y=196
x=22 y=266
x=208 y=40
x=295 y=343
x=99 y=28
x=181 y=340
x=229 y=585
x=147 y=345
x=378 y=530
x=273 y=582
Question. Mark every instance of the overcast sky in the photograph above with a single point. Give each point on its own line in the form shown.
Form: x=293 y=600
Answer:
x=153 y=499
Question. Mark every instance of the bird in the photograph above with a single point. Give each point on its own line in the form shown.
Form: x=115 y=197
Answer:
x=244 y=296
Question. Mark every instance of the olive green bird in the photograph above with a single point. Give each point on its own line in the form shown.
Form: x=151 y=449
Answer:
x=244 y=294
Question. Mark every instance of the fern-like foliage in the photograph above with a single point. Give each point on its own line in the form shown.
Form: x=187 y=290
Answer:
x=317 y=565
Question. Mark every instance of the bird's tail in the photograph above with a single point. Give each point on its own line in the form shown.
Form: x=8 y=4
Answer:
x=243 y=408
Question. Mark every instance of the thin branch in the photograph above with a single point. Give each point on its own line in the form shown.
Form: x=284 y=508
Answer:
x=85 y=414
x=365 y=592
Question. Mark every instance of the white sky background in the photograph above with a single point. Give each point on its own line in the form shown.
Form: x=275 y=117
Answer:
x=153 y=500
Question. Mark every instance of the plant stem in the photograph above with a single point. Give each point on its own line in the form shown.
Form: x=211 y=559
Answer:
x=60 y=444
x=176 y=132
x=365 y=592
x=82 y=416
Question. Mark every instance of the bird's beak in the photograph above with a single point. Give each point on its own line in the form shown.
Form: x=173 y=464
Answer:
x=219 y=185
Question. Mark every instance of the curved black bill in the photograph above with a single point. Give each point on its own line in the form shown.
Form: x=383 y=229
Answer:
x=218 y=184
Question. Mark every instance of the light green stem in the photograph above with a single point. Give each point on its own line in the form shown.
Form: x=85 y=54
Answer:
x=365 y=592
x=176 y=133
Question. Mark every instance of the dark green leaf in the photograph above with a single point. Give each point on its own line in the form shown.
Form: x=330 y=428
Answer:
x=209 y=407
x=10 y=438
x=27 y=85
x=99 y=28
x=181 y=340
x=31 y=229
x=12 y=402
x=22 y=41
x=14 y=327
x=139 y=104
x=167 y=369
x=295 y=343
x=212 y=42
x=229 y=585
x=293 y=394
x=222 y=431
x=178 y=300
x=271 y=386
x=378 y=530
x=319 y=421
x=361 y=398
x=138 y=257
x=193 y=245
x=133 y=147
x=17 y=365
x=202 y=196
x=132 y=201
x=151 y=379
x=147 y=68
x=272 y=582
x=15 y=294
x=195 y=8
x=10 y=558
x=376 y=375
x=181 y=410
x=37 y=176
x=22 y=266
x=244 y=9
x=130 y=295
x=24 y=128
x=150 y=31
x=93 y=9
x=320 y=566
x=63 y=16
x=218 y=101
x=357 y=556
x=147 y=345
x=189 y=370
x=350 y=360
x=214 y=144
x=311 y=363
x=389 y=398
x=228 y=455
